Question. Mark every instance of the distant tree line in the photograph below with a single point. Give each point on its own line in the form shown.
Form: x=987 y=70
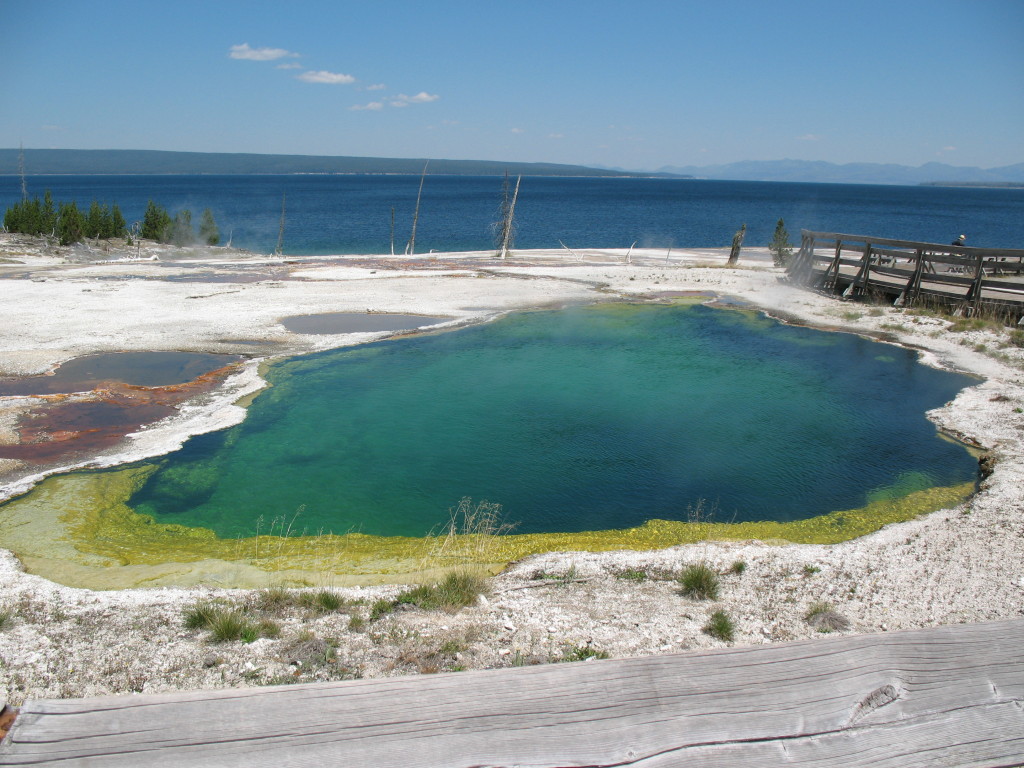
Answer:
x=64 y=220
x=69 y=224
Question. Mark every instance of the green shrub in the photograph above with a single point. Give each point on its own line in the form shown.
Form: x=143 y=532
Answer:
x=720 y=626
x=738 y=567
x=1017 y=338
x=699 y=581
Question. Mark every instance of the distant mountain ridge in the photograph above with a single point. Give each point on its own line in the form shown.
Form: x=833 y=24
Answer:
x=138 y=161
x=850 y=173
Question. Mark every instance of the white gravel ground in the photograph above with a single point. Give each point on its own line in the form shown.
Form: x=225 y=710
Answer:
x=953 y=566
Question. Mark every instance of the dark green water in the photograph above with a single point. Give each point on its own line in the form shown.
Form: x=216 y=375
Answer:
x=581 y=419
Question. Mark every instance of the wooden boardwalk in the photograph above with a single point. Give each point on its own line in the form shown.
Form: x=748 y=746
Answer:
x=907 y=272
x=945 y=696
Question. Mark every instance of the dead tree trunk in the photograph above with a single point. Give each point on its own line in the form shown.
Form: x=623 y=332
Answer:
x=506 y=227
x=737 y=243
x=280 y=230
x=411 y=249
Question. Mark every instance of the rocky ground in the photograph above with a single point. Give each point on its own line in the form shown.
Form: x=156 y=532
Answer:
x=957 y=565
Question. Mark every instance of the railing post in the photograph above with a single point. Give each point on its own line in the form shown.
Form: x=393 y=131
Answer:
x=861 y=280
x=832 y=272
x=973 y=297
x=913 y=286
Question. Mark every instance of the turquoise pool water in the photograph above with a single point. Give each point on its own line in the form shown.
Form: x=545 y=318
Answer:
x=586 y=418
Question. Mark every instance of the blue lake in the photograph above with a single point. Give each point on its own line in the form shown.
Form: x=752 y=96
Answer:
x=352 y=214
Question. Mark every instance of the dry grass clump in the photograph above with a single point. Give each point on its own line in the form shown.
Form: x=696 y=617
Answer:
x=822 y=617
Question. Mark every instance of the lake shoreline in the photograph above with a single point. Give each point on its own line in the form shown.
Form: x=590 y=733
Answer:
x=956 y=565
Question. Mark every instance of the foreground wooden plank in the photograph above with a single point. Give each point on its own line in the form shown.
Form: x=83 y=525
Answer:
x=947 y=696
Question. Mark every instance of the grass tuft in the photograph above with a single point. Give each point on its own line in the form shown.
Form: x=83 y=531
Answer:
x=825 y=619
x=699 y=581
x=199 y=616
x=583 y=653
x=457 y=590
x=632 y=574
x=321 y=601
x=720 y=626
x=228 y=624
x=738 y=567
x=273 y=599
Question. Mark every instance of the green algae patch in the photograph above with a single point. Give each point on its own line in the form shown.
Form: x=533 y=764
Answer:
x=78 y=530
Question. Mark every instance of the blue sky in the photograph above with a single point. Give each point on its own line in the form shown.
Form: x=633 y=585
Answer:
x=639 y=84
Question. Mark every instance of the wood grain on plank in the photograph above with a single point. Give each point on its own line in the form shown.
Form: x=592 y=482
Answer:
x=942 y=696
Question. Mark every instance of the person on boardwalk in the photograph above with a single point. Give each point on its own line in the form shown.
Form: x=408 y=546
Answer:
x=960 y=240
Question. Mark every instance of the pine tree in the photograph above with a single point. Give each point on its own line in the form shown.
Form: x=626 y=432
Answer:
x=208 y=231
x=94 y=221
x=118 y=226
x=70 y=223
x=780 y=247
x=156 y=223
x=49 y=215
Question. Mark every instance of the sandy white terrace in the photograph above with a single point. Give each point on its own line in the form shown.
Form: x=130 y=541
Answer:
x=958 y=565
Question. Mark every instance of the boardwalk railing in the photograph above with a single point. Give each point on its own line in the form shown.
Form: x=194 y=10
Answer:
x=945 y=696
x=967 y=279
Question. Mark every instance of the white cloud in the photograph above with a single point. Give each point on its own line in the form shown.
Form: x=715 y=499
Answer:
x=373 y=106
x=322 y=76
x=420 y=98
x=517 y=130
x=556 y=135
x=290 y=65
x=809 y=137
x=947 y=149
x=243 y=51
x=376 y=87
x=399 y=103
